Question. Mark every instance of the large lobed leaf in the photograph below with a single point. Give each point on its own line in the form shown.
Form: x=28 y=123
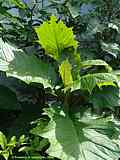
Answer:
x=87 y=138
x=27 y=68
x=55 y=37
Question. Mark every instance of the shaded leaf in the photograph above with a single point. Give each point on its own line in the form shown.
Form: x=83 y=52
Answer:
x=19 y=4
x=11 y=103
x=74 y=7
x=106 y=97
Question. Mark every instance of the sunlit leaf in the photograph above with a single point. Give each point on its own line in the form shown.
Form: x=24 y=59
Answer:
x=27 y=68
x=55 y=37
x=65 y=72
x=79 y=139
x=89 y=81
x=5 y=154
x=111 y=48
x=12 y=141
x=97 y=62
x=3 y=141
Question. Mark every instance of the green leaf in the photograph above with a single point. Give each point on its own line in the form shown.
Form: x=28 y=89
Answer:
x=106 y=97
x=5 y=154
x=24 y=149
x=94 y=26
x=97 y=62
x=11 y=103
x=78 y=139
x=6 y=55
x=19 y=4
x=111 y=48
x=55 y=37
x=74 y=7
x=22 y=139
x=89 y=81
x=12 y=141
x=65 y=72
x=27 y=68
x=3 y=141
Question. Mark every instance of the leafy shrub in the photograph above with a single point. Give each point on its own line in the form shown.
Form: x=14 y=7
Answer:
x=80 y=122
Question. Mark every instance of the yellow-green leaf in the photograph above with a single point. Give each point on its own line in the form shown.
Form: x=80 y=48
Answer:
x=3 y=141
x=55 y=37
x=65 y=72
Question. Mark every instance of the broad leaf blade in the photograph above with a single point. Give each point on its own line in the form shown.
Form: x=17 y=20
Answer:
x=96 y=62
x=27 y=68
x=106 y=97
x=30 y=69
x=77 y=139
x=89 y=81
x=55 y=37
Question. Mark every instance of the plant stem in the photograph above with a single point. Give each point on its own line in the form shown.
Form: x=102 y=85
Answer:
x=66 y=103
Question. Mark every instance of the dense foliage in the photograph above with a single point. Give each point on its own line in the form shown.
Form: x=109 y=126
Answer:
x=60 y=79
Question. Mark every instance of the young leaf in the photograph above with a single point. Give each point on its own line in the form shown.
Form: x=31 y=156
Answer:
x=65 y=72
x=55 y=37
x=5 y=154
x=22 y=139
x=78 y=139
x=3 y=141
x=12 y=141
